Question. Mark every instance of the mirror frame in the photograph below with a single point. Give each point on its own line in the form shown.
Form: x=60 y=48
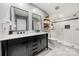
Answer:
x=39 y=20
x=11 y=15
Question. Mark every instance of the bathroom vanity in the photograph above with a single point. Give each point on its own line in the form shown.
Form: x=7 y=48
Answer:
x=16 y=41
x=23 y=44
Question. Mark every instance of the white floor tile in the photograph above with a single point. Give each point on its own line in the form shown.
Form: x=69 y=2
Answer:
x=58 y=49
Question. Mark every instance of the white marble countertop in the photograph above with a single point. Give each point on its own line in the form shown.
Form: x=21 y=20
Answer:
x=9 y=37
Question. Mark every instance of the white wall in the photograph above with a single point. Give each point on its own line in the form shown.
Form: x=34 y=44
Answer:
x=71 y=35
x=65 y=9
x=5 y=12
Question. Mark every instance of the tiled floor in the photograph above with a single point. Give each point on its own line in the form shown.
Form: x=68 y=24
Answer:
x=58 y=49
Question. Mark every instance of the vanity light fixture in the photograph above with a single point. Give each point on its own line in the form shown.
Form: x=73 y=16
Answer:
x=20 y=4
x=61 y=15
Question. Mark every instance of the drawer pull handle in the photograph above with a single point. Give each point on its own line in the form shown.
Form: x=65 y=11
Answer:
x=35 y=40
x=35 y=52
x=35 y=45
x=35 y=48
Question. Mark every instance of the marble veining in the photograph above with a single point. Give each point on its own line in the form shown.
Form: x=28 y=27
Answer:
x=9 y=37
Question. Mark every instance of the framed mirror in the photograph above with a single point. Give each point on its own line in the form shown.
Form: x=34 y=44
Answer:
x=20 y=19
x=36 y=22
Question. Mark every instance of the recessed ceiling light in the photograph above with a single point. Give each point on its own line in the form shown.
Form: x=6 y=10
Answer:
x=34 y=10
x=61 y=15
x=20 y=4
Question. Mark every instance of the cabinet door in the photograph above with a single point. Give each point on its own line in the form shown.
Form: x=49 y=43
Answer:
x=17 y=50
x=43 y=41
x=18 y=47
x=15 y=47
x=0 y=49
x=30 y=46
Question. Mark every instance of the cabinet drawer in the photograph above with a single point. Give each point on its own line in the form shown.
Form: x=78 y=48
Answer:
x=35 y=45
x=34 y=40
x=35 y=49
x=41 y=36
x=16 y=41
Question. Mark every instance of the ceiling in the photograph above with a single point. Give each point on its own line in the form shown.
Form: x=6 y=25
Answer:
x=58 y=10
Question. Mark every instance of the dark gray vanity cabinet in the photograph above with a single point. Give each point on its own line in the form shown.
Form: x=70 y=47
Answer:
x=15 y=47
x=37 y=44
x=25 y=46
